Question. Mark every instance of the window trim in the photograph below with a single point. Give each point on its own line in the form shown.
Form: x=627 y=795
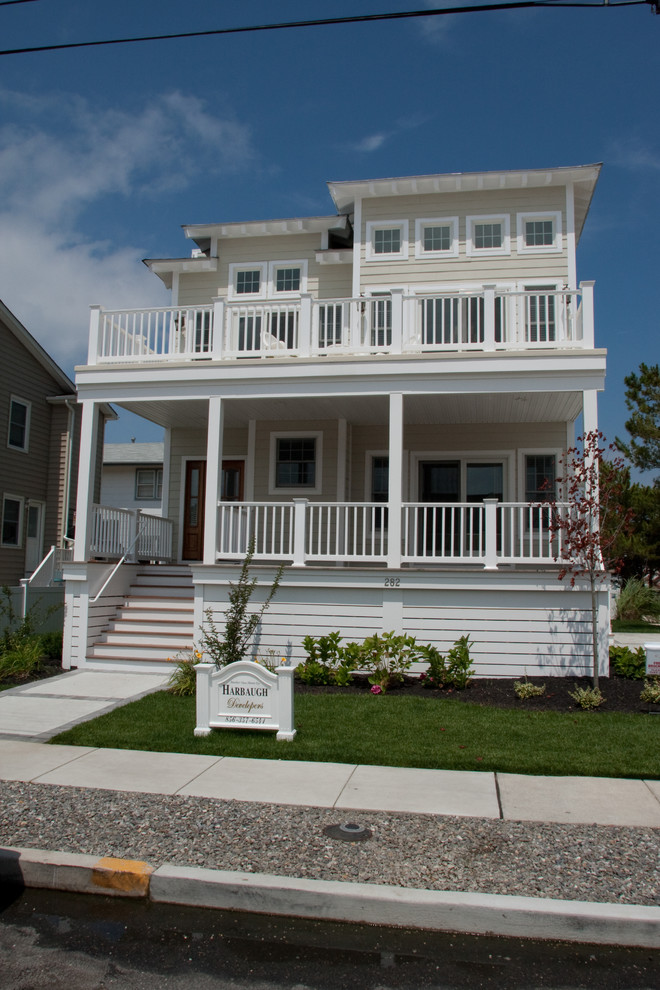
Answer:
x=471 y=222
x=523 y=454
x=157 y=482
x=465 y=457
x=374 y=225
x=235 y=268
x=6 y=497
x=273 y=268
x=554 y=248
x=300 y=490
x=15 y=399
x=420 y=225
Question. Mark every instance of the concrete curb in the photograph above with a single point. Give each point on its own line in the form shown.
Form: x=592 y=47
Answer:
x=331 y=900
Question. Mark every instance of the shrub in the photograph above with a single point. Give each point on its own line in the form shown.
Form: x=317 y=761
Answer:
x=637 y=601
x=183 y=680
x=587 y=698
x=387 y=657
x=651 y=691
x=525 y=689
x=21 y=659
x=450 y=671
x=51 y=645
x=628 y=663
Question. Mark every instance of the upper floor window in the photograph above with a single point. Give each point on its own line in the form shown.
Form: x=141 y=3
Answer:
x=19 y=424
x=387 y=241
x=436 y=238
x=148 y=483
x=247 y=280
x=539 y=232
x=12 y=521
x=488 y=235
x=287 y=278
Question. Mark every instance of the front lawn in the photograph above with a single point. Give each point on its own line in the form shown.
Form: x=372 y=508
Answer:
x=400 y=731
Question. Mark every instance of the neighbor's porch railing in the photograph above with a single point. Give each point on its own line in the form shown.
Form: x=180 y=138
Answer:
x=488 y=533
x=131 y=532
x=486 y=319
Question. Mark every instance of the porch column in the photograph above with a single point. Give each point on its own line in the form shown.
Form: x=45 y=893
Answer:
x=213 y=479
x=394 y=497
x=89 y=430
x=590 y=416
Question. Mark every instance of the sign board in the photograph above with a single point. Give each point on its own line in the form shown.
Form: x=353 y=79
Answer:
x=652 y=659
x=244 y=695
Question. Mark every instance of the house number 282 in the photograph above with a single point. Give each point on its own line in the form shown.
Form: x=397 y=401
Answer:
x=392 y=582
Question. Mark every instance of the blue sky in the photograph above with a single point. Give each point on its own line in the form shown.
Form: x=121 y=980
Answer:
x=105 y=152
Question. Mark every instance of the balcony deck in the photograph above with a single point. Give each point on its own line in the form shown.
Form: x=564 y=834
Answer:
x=485 y=320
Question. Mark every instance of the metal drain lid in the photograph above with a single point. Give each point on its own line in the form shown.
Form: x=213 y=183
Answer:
x=348 y=831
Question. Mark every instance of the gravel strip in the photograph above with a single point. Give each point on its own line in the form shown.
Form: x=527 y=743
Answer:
x=569 y=862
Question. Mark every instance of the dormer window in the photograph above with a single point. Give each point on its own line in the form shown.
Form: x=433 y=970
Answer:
x=488 y=235
x=539 y=232
x=387 y=241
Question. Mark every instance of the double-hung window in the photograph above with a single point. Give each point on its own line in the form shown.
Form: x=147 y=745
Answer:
x=380 y=472
x=148 y=483
x=540 y=486
x=12 y=521
x=295 y=460
x=19 y=424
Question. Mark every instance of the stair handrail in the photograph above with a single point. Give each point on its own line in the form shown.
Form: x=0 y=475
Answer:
x=127 y=552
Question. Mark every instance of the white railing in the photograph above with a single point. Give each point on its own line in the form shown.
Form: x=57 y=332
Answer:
x=486 y=319
x=129 y=532
x=486 y=533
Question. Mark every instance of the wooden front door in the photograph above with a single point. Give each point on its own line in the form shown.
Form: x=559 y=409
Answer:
x=193 y=511
x=233 y=473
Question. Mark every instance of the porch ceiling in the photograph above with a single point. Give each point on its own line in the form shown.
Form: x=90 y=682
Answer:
x=510 y=407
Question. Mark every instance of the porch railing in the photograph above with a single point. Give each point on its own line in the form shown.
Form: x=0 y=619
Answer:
x=131 y=532
x=485 y=319
x=487 y=533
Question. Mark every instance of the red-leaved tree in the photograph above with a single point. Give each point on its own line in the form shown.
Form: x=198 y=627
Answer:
x=587 y=531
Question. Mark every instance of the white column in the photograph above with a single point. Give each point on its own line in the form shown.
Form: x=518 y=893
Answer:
x=249 y=467
x=299 y=524
x=489 y=317
x=213 y=479
x=588 y=333
x=397 y=321
x=94 y=332
x=167 y=447
x=305 y=325
x=394 y=498
x=590 y=410
x=218 y=338
x=89 y=429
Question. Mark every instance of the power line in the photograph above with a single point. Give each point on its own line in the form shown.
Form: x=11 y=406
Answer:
x=322 y=22
x=8 y=3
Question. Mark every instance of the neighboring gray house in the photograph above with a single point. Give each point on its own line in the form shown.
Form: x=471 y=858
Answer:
x=133 y=476
x=39 y=439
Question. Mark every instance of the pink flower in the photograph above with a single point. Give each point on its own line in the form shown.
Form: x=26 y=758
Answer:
x=376 y=689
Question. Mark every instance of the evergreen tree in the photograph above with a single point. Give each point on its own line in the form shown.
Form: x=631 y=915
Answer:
x=643 y=401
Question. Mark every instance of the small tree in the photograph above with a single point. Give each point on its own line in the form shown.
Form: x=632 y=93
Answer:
x=643 y=401
x=589 y=529
x=240 y=624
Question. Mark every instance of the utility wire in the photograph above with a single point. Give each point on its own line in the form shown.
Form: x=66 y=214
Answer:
x=355 y=19
x=8 y=3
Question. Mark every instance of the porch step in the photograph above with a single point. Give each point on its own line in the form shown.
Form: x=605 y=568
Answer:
x=155 y=623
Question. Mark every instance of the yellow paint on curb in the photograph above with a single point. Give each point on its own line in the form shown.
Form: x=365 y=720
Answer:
x=130 y=876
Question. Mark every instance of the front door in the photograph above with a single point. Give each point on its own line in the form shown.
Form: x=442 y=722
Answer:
x=439 y=526
x=34 y=536
x=193 y=506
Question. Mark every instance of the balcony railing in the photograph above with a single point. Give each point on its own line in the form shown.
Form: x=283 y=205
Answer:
x=486 y=533
x=484 y=320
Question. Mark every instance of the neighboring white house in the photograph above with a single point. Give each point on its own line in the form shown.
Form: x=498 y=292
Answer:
x=133 y=476
x=378 y=397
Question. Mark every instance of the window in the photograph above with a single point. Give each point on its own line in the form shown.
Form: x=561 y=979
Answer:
x=287 y=280
x=540 y=313
x=380 y=473
x=296 y=462
x=436 y=238
x=488 y=235
x=387 y=241
x=287 y=277
x=248 y=282
x=539 y=232
x=19 y=424
x=540 y=478
x=12 y=521
x=148 y=483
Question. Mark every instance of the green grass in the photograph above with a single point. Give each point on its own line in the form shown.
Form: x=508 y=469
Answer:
x=391 y=731
x=634 y=625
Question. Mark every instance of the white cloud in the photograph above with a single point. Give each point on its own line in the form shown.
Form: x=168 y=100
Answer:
x=60 y=157
x=372 y=142
x=636 y=155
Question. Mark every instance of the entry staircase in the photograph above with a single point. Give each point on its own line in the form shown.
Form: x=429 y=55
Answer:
x=155 y=622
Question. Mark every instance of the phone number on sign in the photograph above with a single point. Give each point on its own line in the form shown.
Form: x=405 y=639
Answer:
x=243 y=720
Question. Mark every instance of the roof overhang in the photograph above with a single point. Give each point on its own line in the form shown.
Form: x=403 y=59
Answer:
x=166 y=268
x=204 y=233
x=34 y=347
x=583 y=178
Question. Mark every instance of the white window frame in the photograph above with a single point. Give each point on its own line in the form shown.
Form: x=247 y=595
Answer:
x=475 y=252
x=21 y=520
x=523 y=454
x=235 y=268
x=373 y=226
x=300 y=490
x=554 y=248
x=421 y=224
x=273 y=269
x=158 y=476
x=15 y=399
x=464 y=457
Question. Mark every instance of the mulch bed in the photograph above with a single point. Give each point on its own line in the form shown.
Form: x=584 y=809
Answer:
x=50 y=669
x=621 y=694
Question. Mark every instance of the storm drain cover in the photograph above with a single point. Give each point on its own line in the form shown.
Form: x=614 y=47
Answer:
x=348 y=832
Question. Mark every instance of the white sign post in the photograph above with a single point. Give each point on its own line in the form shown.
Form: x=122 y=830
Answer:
x=244 y=695
x=652 y=659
